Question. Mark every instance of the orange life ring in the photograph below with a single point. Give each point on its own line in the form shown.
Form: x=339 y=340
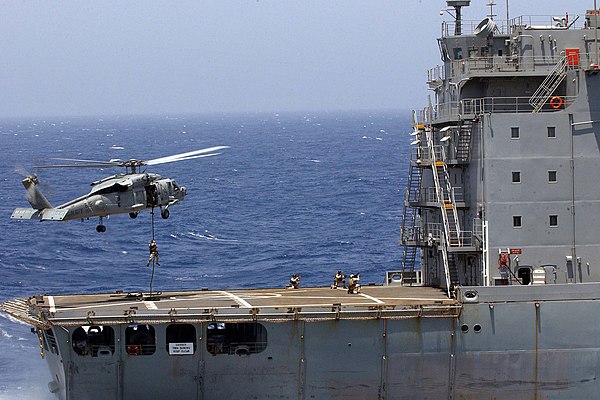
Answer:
x=556 y=102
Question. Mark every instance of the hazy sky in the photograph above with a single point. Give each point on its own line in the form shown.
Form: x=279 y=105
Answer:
x=158 y=57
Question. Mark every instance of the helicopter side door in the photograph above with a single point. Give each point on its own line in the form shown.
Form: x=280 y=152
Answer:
x=163 y=191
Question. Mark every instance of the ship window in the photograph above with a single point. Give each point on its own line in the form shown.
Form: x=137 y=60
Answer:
x=517 y=221
x=516 y=177
x=500 y=52
x=50 y=341
x=94 y=341
x=552 y=176
x=458 y=54
x=551 y=132
x=240 y=339
x=140 y=340
x=514 y=133
x=181 y=339
x=553 y=220
x=473 y=52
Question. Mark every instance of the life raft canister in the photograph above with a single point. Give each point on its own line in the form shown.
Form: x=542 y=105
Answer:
x=556 y=102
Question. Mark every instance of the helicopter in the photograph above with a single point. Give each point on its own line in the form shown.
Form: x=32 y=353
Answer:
x=127 y=193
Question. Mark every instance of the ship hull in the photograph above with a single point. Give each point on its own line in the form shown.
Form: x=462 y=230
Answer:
x=511 y=342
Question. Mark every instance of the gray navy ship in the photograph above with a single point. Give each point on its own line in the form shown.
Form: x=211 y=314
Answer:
x=498 y=294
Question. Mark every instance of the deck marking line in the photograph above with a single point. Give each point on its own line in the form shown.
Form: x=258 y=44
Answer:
x=237 y=299
x=372 y=298
x=52 y=304
x=150 y=305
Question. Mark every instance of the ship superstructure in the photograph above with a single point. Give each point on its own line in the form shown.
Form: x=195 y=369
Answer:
x=504 y=157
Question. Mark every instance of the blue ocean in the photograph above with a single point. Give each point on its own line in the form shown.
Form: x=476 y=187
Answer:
x=307 y=193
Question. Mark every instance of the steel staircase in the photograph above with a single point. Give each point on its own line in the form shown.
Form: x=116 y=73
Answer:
x=463 y=147
x=445 y=198
x=410 y=231
x=549 y=85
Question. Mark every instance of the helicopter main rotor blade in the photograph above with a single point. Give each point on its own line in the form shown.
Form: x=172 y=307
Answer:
x=77 y=166
x=186 y=156
x=87 y=161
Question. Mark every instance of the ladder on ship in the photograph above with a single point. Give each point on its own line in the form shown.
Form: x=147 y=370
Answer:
x=549 y=85
x=445 y=198
x=410 y=231
x=463 y=148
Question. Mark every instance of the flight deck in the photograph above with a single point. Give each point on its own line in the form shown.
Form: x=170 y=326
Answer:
x=312 y=303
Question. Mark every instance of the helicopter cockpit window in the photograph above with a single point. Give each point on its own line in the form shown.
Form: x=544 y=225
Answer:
x=140 y=340
x=94 y=341
x=240 y=339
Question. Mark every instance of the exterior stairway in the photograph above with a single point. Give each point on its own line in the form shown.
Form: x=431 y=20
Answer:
x=463 y=148
x=445 y=197
x=549 y=85
x=410 y=230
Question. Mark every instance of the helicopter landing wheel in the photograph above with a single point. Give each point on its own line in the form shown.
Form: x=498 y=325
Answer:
x=101 y=228
x=165 y=213
x=133 y=215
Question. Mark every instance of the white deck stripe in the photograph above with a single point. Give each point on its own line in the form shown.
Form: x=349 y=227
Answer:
x=52 y=305
x=150 y=305
x=237 y=299
x=372 y=298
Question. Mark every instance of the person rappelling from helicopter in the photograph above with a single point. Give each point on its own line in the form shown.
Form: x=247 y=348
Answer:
x=153 y=248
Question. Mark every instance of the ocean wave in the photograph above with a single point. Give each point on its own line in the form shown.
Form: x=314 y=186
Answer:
x=209 y=236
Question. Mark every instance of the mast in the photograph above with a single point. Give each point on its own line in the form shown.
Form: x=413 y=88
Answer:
x=458 y=5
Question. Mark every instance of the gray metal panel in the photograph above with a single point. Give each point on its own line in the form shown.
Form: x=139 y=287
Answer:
x=343 y=359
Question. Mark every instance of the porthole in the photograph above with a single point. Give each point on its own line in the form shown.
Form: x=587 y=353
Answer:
x=464 y=328
x=477 y=328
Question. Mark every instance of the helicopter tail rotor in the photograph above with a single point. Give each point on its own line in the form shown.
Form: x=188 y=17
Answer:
x=34 y=195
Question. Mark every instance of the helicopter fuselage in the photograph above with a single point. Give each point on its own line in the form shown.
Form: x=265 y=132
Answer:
x=121 y=194
x=117 y=194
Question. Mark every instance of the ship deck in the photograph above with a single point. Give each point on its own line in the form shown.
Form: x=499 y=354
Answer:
x=317 y=303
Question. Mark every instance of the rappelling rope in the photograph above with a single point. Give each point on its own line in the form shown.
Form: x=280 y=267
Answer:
x=154 y=258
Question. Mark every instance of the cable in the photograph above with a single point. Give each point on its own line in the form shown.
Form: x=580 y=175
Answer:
x=154 y=258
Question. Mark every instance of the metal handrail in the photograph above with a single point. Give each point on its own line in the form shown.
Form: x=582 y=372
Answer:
x=504 y=28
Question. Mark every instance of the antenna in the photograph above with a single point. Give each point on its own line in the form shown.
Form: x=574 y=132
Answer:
x=491 y=5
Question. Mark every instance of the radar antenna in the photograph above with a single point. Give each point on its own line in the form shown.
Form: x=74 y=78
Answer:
x=458 y=5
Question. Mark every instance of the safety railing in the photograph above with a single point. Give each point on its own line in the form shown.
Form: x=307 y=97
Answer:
x=561 y=22
x=558 y=22
x=428 y=195
x=540 y=64
x=468 y=27
x=487 y=105
x=433 y=234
